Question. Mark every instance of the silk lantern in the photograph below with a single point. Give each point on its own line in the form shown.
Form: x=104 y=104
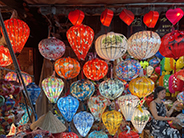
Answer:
x=127 y=104
x=127 y=16
x=154 y=62
x=150 y=19
x=83 y=122
x=170 y=84
x=5 y=57
x=143 y=44
x=141 y=86
x=18 y=87
x=164 y=81
x=76 y=17
x=154 y=77
x=69 y=135
x=167 y=64
x=149 y=70
x=112 y=121
x=177 y=84
x=180 y=97
x=106 y=17
x=180 y=74
x=111 y=46
x=6 y=88
x=52 y=88
x=97 y=134
x=174 y=15
x=80 y=39
x=159 y=55
x=67 y=68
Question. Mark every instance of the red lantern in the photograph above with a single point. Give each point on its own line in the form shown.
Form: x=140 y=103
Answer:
x=128 y=134
x=174 y=15
x=149 y=99
x=76 y=17
x=106 y=17
x=6 y=88
x=150 y=19
x=127 y=16
x=5 y=57
x=80 y=39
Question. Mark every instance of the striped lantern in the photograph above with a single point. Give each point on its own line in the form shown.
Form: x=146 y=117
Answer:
x=164 y=81
x=167 y=64
x=5 y=57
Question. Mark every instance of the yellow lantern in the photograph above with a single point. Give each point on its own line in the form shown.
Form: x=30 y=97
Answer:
x=112 y=120
x=168 y=64
x=141 y=86
x=180 y=63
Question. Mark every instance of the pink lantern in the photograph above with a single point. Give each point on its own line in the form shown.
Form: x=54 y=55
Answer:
x=5 y=57
x=177 y=84
x=174 y=15
x=170 y=84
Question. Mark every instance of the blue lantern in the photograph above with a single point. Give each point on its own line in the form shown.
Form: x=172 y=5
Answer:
x=97 y=134
x=159 y=55
x=154 y=62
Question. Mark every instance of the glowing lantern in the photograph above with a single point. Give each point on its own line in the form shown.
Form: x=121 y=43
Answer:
x=149 y=70
x=141 y=86
x=106 y=17
x=140 y=119
x=154 y=62
x=127 y=16
x=127 y=104
x=111 y=46
x=167 y=64
x=174 y=15
x=83 y=121
x=82 y=89
x=112 y=120
x=67 y=68
x=6 y=88
x=76 y=17
x=52 y=87
x=143 y=44
x=69 y=135
x=150 y=19
x=177 y=84
x=111 y=88
x=18 y=32
x=97 y=105
x=68 y=107
x=170 y=84
x=164 y=81
x=97 y=134
x=80 y=39
x=5 y=57
x=95 y=69
x=180 y=97
x=51 y=48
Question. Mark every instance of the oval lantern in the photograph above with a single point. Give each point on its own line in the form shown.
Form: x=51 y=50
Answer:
x=164 y=81
x=177 y=84
x=68 y=107
x=127 y=104
x=51 y=48
x=143 y=44
x=18 y=32
x=67 y=68
x=76 y=17
x=180 y=97
x=111 y=88
x=82 y=89
x=6 y=88
x=5 y=57
x=83 y=121
x=97 y=134
x=170 y=84
x=112 y=120
x=69 y=135
x=111 y=46
x=141 y=86
x=140 y=119
x=97 y=105
x=95 y=69
x=154 y=62
x=80 y=39
x=52 y=87
x=168 y=64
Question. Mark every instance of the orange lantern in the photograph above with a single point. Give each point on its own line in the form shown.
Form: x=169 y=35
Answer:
x=5 y=57
x=106 y=17
x=150 y=19
x=127 y=16
x=76 y=17
x=164 y=81
x=67 y=68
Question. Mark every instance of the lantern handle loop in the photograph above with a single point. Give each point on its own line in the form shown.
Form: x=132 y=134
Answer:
x=128 y=129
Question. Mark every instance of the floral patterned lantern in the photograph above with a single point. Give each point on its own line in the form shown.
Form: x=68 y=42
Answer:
x=80 y=39
x=76 y=17
x=5 y=57
x=67 y=68
x=97 y=134
x=154 y=62
x=143 y=44
x=6 y=88
x=164 y=81
x=111 y=46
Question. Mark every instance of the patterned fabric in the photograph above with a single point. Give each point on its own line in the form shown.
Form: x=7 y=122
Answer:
x=160 y=128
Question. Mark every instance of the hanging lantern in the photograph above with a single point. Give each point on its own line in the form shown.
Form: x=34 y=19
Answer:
x=83 y=121
x=95 y=69
x=18 y=87
x=128 y=69
x=149 y=99
x=143 y=44
x=67 y=68
x=5 y=57
x=69 y=135
x=6 y=88
x=180 y=97
x=18 y=33
x=76 y=17
x=97 y=134
x=170 y=84
x=97 y=105
x=168 y=64
x=112 y=120
x=8 y=105
x=164 y=81
x=180 y=74
x=144 y=64
x=154 y=62
x=106 y=17
x=180 y=63
x=174 y=15
x=111 y=88
x=111 y=46
x=154 y=77
x=149 y=70
x=51 y=48
x=82 y=89
x=141 y=86
x=80 y=39
x=127 y=104
x=159 y=55
x=150 y=19
x=177 y=84
x=52 y=87
x=127 y=16
x=140 y=119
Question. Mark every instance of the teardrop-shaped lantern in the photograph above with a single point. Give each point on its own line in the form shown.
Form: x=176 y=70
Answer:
x=82 y=89
x=95 y=69
x=68 y=107
x=111 y=46
x=141 y=86
x=52 y=87
x=164 y=81
x=6 y=88
x=51 y=48
x=97 y=134
x=67 y=68
x=143 y=44
x=80 y=39
x=127 y=104
x=140 y=119
x=97 y=105
x=5 y=57
x=83 y=121
x=112 y=120
x=69 y=135
x=111 y=88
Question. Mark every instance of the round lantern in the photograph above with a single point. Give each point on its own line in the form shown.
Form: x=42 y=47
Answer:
x=180 y=97
x=127 y=104
x=80 y=39
x=18 y=33
x=143 y=44
x=112 y=120
x=177 y=84
x=5 y=57
x=76 y=17
x=128 y=69
x=67 y=68
x=167 y=64
x=52 y=87
x=141 y=86
x=154 y=62
x=170 y=84
x=180 y=63
x=97 y=134
x=111 y=88
x=164 y=81
x=51 y=48
x=95 y=69
x=111 y=46
x=6 y=88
